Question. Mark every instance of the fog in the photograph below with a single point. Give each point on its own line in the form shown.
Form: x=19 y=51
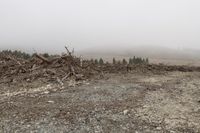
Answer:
x=87 y=25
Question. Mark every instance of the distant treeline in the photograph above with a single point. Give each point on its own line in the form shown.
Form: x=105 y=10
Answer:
x=17 y=53
x=134 y=60
x=138 y=60
x=20 y=54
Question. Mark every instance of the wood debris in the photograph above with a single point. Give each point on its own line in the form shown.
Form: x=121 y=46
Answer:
x=68 y=66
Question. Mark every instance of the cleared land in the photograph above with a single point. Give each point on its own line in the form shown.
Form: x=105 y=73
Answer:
x=129 y=102
x=66 y=94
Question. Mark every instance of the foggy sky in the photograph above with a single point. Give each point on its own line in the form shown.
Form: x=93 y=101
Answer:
x=48 y=25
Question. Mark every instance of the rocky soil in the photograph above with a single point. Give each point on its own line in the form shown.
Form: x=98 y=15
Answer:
x=115 y=103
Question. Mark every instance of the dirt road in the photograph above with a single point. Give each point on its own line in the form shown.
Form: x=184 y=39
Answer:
x=116 y=103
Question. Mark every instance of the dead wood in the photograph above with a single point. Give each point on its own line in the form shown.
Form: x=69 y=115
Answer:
x=43 y=58
x=68 y=66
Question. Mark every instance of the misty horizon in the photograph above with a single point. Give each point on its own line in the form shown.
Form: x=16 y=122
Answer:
x=116 y=26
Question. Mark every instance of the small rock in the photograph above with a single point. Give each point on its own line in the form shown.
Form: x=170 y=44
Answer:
x=50 y=101
x=46 y=92
x=87 y=83
x=158 y=128
x=28 y=125
x=125 y=112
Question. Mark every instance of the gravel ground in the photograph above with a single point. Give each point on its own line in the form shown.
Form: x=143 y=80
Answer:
x=117 y=103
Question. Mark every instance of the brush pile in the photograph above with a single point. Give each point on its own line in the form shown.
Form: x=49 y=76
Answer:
x=58 y=68
x=67 y=66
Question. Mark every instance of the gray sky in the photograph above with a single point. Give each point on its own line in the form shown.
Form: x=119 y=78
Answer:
x=48 y=25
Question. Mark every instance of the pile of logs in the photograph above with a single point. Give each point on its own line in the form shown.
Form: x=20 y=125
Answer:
x=58 y=68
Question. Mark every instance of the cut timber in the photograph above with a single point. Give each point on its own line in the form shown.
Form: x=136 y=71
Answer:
x=69 y=53
x=43 y=58
x=9 y=57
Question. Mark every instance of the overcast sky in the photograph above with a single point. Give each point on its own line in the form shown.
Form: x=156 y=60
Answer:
x=48 y=25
